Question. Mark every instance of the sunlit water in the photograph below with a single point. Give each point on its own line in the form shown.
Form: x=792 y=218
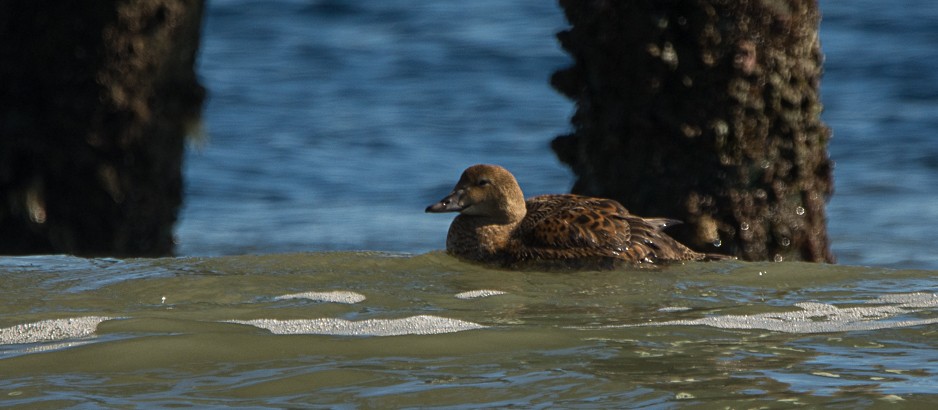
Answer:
x=331 y=125
x=382 y=330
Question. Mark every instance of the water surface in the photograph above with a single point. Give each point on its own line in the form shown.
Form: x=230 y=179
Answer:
x=350 y=330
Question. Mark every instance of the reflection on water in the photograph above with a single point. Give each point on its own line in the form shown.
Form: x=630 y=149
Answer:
x=369 y=329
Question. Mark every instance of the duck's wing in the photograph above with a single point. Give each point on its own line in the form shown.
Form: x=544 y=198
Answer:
x=578 y=226
x=572 y=221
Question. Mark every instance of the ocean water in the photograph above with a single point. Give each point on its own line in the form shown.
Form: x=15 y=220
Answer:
x=369 y=330
x=309 y=276
x=331 y=124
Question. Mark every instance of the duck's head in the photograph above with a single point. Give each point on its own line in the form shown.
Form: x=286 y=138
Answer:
x=486 y=191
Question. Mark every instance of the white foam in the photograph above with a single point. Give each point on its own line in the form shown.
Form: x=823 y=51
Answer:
x=910 y=300
x=822 y=317
x=414 y=325
x=481 y=293
x=671 y=309
x=339 y=296
x=51 y=330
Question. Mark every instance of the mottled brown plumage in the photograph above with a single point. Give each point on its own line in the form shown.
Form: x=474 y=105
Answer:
x=496 y=225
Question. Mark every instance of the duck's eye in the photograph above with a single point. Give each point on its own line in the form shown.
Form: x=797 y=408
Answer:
x=483 y=182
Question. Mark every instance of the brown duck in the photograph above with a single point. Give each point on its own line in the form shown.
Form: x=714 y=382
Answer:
x=497 y=226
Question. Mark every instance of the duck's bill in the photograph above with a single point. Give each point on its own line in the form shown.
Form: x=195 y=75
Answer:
x=448 y=204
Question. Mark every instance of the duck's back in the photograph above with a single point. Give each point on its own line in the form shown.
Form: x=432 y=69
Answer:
x=572 y=227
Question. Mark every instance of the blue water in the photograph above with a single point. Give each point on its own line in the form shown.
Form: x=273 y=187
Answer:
x=332 y=124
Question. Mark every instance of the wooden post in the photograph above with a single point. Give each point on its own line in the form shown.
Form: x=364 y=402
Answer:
x=96 y=99
x=706 y=111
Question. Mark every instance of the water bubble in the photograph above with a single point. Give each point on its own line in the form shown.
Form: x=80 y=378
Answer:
x=799 y=210
x=744 y=226
x=786 y=241
x=778 y=258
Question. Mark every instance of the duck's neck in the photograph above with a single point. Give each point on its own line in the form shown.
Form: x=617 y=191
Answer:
x=479 y=238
